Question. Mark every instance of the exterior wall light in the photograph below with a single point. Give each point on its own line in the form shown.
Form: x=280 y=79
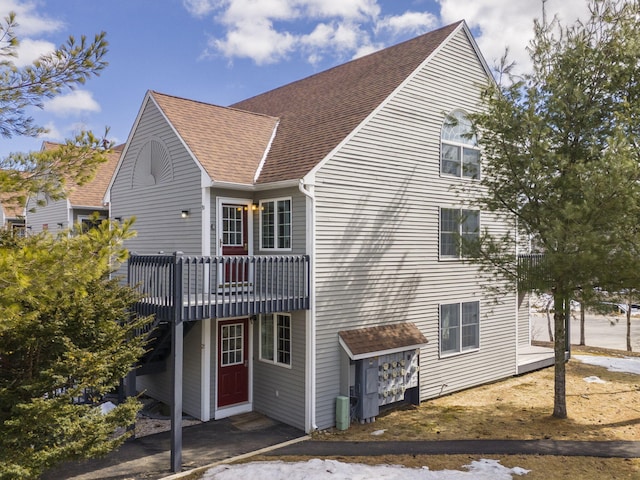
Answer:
x=184 y=214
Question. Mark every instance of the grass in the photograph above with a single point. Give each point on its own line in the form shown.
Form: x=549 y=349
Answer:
x=517 y=408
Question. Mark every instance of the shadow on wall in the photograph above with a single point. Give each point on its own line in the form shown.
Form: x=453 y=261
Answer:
x=369 y=270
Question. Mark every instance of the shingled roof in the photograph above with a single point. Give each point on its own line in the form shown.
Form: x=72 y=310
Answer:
x=91 y=194
x=318 y=112
x=228 y=143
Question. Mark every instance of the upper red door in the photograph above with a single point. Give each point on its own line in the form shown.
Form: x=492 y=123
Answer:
x=235 y=241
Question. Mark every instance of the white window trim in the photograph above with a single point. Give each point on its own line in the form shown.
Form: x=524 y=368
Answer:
x=442 y=354
x=275 y=239
x=275 y=340
x=461 y=146
x=459 y=257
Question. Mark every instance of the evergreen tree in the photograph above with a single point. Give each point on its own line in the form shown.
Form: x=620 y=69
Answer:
x=561 y=155
x=65 y=328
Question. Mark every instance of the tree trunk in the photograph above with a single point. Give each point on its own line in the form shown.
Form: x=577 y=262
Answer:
x=582 y=323
x=550 y=330
x=629 y=326
x=559 y=347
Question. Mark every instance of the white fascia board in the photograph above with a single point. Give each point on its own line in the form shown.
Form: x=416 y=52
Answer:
x=378 y=353
x=266 y=152
x=256 y=188
x=310 y=176
x=107 y=196
x=203 y=171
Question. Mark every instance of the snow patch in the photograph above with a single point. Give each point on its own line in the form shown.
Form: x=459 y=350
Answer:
x=626 y=364
x=593 y=379
x=317 y=469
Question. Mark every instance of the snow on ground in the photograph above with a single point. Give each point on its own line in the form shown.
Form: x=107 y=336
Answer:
x=317 y=469
x=626 y=364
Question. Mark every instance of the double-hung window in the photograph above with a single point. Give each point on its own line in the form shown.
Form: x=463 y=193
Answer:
x=458 y=228
x=459 y=327
x=275 y=224
x=460 y=155
x=275 y=339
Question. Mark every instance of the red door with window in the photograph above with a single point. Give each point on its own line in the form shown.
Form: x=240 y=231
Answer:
x=233 y=362
x=234 y=241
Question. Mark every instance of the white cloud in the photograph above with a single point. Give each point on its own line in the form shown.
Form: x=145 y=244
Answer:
x=52 y=133
x=77 y=101
x=200 y=8
x=414 y=22
x=30 y=21
x=505 y=23
x=30 y=50
x=268 y=31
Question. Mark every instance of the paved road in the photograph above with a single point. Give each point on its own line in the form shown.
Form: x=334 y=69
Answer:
x=608 y=331
x=618 y=449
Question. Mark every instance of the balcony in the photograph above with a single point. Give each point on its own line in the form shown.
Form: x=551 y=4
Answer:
x=218 y=287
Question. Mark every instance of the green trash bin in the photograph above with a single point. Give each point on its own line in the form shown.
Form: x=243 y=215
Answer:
x=342 y=412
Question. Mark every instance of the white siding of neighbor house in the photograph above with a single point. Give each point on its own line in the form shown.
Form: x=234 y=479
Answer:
x=279 y=392
x=524 y=335
x=377 y=223
x=157 y=208
x=51 y=213
x=158 y=385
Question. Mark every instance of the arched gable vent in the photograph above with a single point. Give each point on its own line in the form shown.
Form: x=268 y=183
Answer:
x=153 y=165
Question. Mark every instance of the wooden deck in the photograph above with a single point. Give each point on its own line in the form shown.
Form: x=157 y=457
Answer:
x=534 y=358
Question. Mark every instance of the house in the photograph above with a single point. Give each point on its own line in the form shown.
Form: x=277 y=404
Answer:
x=319 y=273
x=45 y=214
x=11 y=214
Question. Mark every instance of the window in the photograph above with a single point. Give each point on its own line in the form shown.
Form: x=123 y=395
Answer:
x=275 y=224
x=275 y=339
x=458 y=228
x=459 y=327
x=460 y=155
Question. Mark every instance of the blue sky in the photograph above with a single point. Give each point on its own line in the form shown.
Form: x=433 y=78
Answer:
x=223 y=51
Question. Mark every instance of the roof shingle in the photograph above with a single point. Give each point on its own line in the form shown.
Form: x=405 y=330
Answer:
x=318 y=112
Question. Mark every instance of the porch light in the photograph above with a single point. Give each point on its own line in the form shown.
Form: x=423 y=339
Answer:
x=60 y=224
x=184 y=214
x=255 y=206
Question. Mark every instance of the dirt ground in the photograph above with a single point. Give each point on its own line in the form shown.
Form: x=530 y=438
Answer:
x=520 y=408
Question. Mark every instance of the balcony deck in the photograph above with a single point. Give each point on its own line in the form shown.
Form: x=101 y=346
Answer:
x=218 y=287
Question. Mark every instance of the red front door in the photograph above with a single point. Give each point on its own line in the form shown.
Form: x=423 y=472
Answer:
x=235 y=240
x=233 y=362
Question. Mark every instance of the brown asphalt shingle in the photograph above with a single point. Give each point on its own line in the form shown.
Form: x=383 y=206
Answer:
x=92 y=193
x=381 y=338
x=318 y=112
x=228 y=143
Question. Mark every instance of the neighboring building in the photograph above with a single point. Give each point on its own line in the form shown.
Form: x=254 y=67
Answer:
x=81 y=203
x=11 y=214
x=321 y=223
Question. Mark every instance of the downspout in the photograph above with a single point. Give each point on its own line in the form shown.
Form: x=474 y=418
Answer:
x=308 y=191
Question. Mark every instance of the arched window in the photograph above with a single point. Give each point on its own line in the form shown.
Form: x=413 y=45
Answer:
x=459 y=155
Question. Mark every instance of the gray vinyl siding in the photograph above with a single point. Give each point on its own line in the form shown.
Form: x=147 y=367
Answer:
x=157 y=208
x=158 y=385
x=298 y=217
x=377 y=225
x=279 y=392
x=52 y=213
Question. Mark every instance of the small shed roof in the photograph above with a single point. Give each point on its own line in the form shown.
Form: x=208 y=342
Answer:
x=381 y=340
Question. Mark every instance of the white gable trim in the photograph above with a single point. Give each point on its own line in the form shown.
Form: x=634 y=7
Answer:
x=310 y=176
x=206 y=179
x=266 y=152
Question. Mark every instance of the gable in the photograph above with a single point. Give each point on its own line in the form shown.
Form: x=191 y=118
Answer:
x=317 y=113
x=229 y=144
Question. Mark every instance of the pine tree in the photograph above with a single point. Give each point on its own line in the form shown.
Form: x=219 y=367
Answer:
x=561 y=155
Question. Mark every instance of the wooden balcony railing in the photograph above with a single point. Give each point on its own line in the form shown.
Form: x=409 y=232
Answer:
x=218 y=287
